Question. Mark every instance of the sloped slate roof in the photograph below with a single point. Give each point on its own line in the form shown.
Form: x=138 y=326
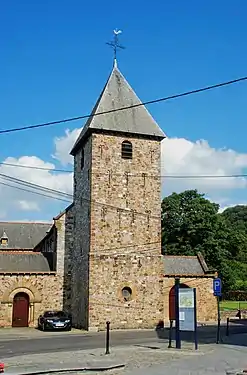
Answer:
x=23 y=262
x=185 y=265
x=116 y=94
x=23 y=235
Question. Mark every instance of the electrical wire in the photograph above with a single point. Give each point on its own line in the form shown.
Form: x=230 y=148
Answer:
x=175 y=96
x=36 y=168
x=66 y=195
x=34 y=192
x=170 y=176
x=110 y=249
x=35 y=186
x=192 y=281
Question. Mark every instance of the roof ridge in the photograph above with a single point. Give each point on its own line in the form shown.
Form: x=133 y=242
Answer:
x=18 y=252
x=26 y=222
x=135 y=119
x=181 y=256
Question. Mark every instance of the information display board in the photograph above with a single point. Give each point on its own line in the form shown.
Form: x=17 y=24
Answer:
x=187 y=316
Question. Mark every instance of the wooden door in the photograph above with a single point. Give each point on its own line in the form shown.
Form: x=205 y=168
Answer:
x=20 y=310
x=172 y=310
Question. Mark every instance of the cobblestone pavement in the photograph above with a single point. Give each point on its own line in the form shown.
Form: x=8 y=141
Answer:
x=154 y=359
x=222 y=359
x=133 y=357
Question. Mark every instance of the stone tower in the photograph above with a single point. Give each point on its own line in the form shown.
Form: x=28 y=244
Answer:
x=117 y=262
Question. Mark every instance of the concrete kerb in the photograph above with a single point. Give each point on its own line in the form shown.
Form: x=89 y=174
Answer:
x=90 y=368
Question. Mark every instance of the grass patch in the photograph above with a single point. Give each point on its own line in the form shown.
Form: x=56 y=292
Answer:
x=233 y=305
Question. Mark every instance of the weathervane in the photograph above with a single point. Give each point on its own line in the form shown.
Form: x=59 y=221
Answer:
x=115 y=44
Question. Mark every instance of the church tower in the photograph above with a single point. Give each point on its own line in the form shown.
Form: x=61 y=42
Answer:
x=117 y=261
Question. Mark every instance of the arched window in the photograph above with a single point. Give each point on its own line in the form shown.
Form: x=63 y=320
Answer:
x=126 y=293
x=127 y=150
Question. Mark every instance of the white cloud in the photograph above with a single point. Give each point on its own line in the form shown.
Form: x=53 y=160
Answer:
x=16 y=200
x=63 y=146
x=179 y=157
x=28 y=205
x=224 y=207
x=183 y=157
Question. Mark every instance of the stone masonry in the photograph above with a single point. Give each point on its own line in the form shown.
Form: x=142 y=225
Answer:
x=80 y=254
x=45 y=291
x=117 y=268
x=206 y=302
x=117 y=248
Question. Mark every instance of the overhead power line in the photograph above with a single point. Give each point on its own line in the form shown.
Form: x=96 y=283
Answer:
x=175 y=96
x=35 y=192
x=35 y=186
x=66 y=196
x=60 y=195
x=33 y=167
x=185 y=176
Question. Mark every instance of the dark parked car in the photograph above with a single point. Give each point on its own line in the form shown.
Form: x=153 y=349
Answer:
x=54 y=320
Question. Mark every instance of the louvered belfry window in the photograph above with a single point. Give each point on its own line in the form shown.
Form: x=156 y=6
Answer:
x=127 y=150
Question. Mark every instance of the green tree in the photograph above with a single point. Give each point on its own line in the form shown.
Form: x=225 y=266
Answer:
x=236 y=217
x=191 y=223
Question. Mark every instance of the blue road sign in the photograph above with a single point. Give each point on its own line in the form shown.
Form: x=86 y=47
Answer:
x=217 y=284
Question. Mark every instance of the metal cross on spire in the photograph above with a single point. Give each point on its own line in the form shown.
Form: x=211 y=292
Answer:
x=115 y=44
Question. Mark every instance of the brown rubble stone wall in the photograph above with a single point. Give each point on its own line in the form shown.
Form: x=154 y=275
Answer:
x=68 y=249
x=117 y=217
x=45 y=292
x=58 y=243
x=133 y=185
x=109 y=275
x=125 y=225
x=206 y=302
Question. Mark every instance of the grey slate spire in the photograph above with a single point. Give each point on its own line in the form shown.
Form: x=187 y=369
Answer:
x=116 y=94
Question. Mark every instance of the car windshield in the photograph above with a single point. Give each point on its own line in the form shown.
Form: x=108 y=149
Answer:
x=52 y=314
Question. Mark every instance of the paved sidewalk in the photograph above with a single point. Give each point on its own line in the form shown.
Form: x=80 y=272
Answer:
x=222 y=359
x=22 y=333
x=151 y=359
x=131 y=358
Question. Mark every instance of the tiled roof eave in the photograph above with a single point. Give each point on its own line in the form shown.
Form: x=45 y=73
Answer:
x=203 y=275
x=27 y=273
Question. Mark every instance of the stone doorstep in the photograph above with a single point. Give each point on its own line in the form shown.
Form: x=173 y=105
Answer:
x=32 y=370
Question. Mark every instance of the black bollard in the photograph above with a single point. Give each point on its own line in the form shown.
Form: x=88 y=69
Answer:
x=170 y=334
x=227 y=326
x=107 y=344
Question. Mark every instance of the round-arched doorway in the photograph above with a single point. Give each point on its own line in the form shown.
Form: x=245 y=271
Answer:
x=172 y=314
x=20 y=315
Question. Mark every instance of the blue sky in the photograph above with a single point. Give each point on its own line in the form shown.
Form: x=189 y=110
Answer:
x=54 y=62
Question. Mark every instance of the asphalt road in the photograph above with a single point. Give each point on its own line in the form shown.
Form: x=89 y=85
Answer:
x=13 y=345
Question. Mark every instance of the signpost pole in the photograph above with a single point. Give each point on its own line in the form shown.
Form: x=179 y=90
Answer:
x=218 y=325
x=195 y=320
x=178 y=339
x=217 y=286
